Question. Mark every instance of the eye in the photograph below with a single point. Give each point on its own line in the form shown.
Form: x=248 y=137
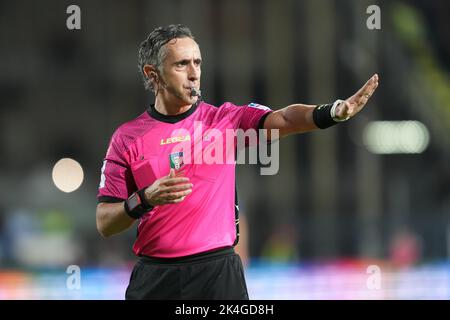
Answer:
x=181 y=63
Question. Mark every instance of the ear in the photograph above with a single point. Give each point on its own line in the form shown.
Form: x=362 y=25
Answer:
x=152 y=75
x=150 y=72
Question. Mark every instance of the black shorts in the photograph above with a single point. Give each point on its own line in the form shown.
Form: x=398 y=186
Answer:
x=216 y=275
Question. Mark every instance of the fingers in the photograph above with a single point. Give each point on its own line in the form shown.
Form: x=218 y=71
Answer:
x=173 y=193
x=175 y=174
x=172 y=188
x=175 y=201
x=179 y=174
x=360 y=98
x=176 y=195
x=174 y=181
x=168 y=197
x=372 y=86
x=179 y=187
x=368 y=88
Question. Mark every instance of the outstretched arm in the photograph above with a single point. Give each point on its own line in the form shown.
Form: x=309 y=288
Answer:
x=297 y=118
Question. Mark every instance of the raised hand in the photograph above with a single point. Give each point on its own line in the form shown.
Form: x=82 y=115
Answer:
x=356 y=102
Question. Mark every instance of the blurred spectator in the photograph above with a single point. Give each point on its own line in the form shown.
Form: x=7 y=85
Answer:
x=281 y=245
x=405 y=249
x=41 y=240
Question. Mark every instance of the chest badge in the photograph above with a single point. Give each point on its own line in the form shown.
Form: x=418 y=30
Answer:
x=176 y=160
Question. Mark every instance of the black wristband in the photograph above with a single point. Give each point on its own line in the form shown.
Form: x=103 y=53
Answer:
x=136 y=205
x=322 y=116
x=145 y=203
x=136 y=213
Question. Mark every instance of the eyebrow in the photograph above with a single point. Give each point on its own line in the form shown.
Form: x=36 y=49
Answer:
x=186 y=61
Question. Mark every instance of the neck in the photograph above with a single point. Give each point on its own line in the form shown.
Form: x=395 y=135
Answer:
x=170 y=108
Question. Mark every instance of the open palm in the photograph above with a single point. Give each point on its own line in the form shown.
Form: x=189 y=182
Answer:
x=356 y=102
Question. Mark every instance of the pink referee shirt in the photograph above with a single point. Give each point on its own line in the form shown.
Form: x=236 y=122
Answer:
x=195 y=143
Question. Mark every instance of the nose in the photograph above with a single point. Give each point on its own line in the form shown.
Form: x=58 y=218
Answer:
x=194 y=72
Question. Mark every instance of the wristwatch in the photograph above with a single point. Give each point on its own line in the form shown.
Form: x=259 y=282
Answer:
x=136 y=205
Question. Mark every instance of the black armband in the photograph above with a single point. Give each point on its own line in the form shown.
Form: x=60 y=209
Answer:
x=324 y=115
x=136 y=205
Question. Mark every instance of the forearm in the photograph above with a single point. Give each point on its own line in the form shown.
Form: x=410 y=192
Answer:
x=295 y=118
x=112 y=219
x=298 y=118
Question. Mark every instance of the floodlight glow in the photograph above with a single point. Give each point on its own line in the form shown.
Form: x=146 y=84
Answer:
x=389 y=137
x=67 y=175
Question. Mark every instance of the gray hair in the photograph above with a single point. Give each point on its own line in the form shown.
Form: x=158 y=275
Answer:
x=152 y=50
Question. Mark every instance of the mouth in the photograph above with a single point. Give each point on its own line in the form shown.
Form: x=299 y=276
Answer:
x=193 y=91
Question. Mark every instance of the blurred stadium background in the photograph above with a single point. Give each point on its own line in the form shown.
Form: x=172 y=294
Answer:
x=375 y=191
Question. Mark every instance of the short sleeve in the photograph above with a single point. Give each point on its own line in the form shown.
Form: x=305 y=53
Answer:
x=116 y=180
x=249 y=116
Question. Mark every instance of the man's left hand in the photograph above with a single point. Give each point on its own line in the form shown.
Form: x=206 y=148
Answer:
x=356 y=102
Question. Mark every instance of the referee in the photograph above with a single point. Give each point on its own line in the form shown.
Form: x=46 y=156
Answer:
x=187 y=210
